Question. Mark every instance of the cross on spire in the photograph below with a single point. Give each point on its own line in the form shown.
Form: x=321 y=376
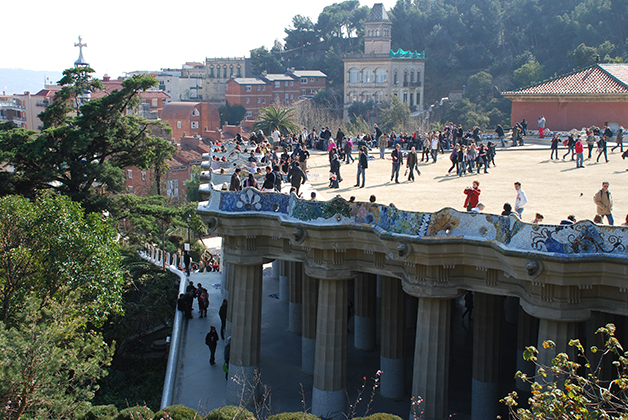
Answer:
x=80 y=61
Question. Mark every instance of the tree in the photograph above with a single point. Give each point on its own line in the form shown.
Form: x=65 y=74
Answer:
x=231 y=114
x=575 y=390
x=84 y=144
x=480 y=87
x=262 y=59
x=395 y=115
x=50 y=247
x=530 y=73
x=276 y=117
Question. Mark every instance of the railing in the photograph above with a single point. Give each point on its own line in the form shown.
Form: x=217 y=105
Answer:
x=406 y=84
x=156 y=256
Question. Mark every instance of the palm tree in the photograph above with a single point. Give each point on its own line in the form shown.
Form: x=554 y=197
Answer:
x=276 y=117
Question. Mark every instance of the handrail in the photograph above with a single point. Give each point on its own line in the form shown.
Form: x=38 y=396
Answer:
x=177 y=326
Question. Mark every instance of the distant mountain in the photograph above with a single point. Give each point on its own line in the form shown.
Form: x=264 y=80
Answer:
x=20 y=80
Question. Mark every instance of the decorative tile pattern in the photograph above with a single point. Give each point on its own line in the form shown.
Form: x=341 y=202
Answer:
x=252 y=200
x=313 y=210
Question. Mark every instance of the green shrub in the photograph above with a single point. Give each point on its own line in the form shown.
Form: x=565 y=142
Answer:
x=379 y=416
x=230 y=412
x=178 y=412
x=101 y=412
x=139 y=412
x=299 y=415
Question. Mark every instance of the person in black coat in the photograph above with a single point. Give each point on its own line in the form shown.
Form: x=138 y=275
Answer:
x=269 y=180
x=335 y=170
x=296 y=177
x=211 y=339
x=236 y=184
x=222 y=313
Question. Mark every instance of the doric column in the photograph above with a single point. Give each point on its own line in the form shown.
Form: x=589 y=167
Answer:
x=527 y=335
x=431 y=357
x=284 y=283
x=365 y=311
x=308 y=333
x=486 y=341
x=393 y=338
x=330 y=376
x=560 y=332
x=246 y=306
x=275 y=270
x=295 y=307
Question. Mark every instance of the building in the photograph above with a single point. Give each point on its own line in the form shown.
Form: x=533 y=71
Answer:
x=380 y=73
x=266 y=89
x=12 y=110
x=190 y=118
x=596 y=95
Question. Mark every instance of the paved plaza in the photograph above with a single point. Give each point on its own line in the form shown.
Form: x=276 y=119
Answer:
x=555 y=188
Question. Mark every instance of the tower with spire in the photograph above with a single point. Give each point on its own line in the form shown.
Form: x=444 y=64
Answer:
x=377 y=31
x=80 y=61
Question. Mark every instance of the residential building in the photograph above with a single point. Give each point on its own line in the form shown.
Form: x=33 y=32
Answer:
x=596 y=95
x=12 y=110
x=380 y=73
x=190 y=118
x=266 y=89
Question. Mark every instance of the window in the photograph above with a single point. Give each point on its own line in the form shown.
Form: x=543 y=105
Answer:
x=178 y=124
x=304 y=81
x=311 y=80
x=285 y=96
x=264 y=88
x=276 y=96
x=249 y=114
x=194 y=124
x=172 y=188
x=380 y=75
x=130 y=189
x=302 y=91
x=286 y=84
x=248 y=100
x=291 y=97
x=258 y=88
x=130 y=173
x=367 y=75
x=291 y=84
x=143 y=175
x=248 y=88
x=263 y=100
x=312 y=91
x=354 y=75
x=259 y=100
x=195 y=112
x=154 y=102
x=277 y=84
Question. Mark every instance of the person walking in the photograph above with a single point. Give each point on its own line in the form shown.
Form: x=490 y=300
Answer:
x=579 y=148
x=620 y=140
x=541 y=126
x=363 y=163
x=500 y=134
x=434 y=146
x=555 y=141
x=601 y=149
x=349 y=150
x=520 y=200
x=571 y=143
x=604 y=202
x=296 y=177
x=187 y=260
x=412 y=161
x=397 y=161
x=211 y=339
x=382 y=142
x=473 y=196
x=222 y=313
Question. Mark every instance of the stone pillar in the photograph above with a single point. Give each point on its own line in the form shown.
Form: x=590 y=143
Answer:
x=284 y=283
x=527 y=335
x=295 y=307
x=412 y=306
x=393 y=338
x=560 y=332
x=308 y=333
x=330 y=371
x=430 y=380
x=486 y=356
x=246 y=306
x=275 y=271
x=365 y=311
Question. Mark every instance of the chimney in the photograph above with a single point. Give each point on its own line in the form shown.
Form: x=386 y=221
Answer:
x=106 y=78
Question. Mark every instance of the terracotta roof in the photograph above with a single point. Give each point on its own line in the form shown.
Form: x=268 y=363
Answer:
x=178 y=110
x=154 y=94
x=46 y=92
x=597 y=79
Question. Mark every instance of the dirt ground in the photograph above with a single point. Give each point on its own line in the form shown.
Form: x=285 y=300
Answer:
x=554 y=188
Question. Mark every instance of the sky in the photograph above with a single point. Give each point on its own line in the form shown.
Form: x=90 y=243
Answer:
x=124 y=36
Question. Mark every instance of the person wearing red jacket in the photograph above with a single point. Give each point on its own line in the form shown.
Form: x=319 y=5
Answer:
x=473 y=196
x=579 y=153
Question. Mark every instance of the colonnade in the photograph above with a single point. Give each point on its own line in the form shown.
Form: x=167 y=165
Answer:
x=318 y=312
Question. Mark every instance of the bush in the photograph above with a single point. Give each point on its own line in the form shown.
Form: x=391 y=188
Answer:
x=230 y=412
x=101 y=412
x=379 y=416
x=178 y=412
x=299 y=415
x=138 y=412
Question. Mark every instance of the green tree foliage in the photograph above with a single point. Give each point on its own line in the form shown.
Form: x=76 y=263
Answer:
x=49 y=247
x=264 y=60
x=528 y=74
x=84 y=144
x=276 y=117
x=573 y=388
x=395 y=114
x=231 y=114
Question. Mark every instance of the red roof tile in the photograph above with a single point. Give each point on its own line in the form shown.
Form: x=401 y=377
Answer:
x=598 y=79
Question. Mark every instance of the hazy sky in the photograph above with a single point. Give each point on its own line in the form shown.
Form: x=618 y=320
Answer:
x=133 y=35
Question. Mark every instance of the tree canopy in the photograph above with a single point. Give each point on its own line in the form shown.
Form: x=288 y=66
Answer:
x=276 y=117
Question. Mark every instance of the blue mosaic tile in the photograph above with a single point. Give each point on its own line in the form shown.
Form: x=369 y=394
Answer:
x=252 y=200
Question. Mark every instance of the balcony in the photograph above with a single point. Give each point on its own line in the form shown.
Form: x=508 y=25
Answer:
x=411 y=84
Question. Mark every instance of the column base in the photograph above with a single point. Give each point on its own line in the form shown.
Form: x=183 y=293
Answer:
x=308 y=350
x=484 y=400
x=392 y=378
x=284 y=289
x=329 y=404
x=243 y=385
x=364 y=335
x=295 y=318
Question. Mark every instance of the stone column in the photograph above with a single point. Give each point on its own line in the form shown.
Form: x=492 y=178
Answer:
x=393 y=338
x=527 y=335
x=295 y=307
x=365 y=311
x=275 y=270
x=430 y=380
x=330 y=371
x=560 y=332
x=486 y=356
x=308 y=337
x=246 y=307
x=284 y=283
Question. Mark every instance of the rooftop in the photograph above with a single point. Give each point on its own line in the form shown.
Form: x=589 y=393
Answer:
x=378 y=13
